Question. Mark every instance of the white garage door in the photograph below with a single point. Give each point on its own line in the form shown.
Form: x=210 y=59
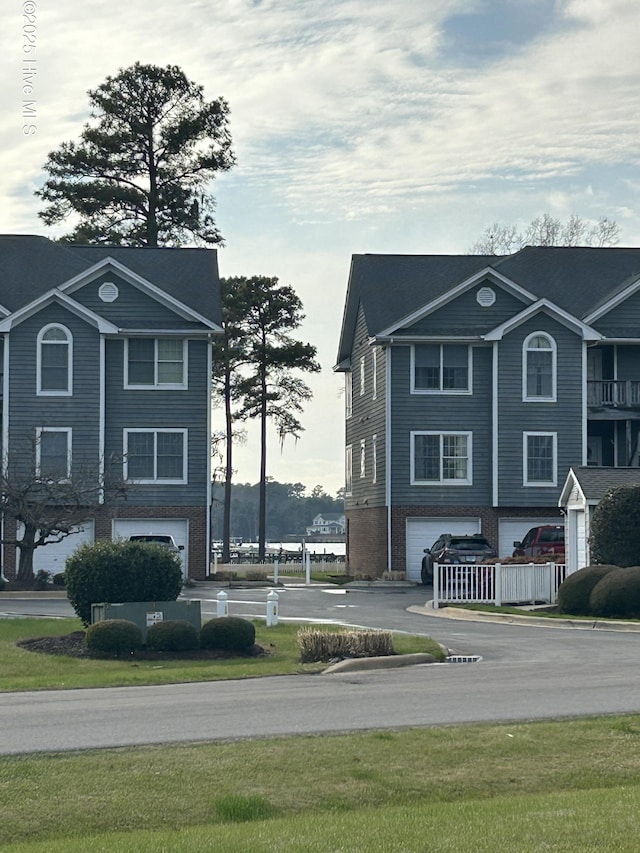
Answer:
x=53 y=556
x=423 y=532
x=178 y=528
x=512 y=530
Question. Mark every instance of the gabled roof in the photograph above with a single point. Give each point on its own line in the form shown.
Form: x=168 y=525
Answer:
x=585 y=332
x=392 y=289
x=595 y=481
x=46 y=299
x=31 y=266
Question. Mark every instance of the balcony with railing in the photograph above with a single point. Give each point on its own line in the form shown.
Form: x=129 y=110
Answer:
x=613 y=393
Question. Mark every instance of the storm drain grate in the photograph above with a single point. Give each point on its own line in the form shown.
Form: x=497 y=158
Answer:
x=463 y=658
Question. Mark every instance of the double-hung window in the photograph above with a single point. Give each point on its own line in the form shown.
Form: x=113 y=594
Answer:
x=348 y=394
x=441 y=457
x=441 y=369
x=363 y=458
x=540 y=451
x=348 y=470
x=53 y=453
x=155 y=363
x=539 y=368
x=155 y=456
x=54 y=361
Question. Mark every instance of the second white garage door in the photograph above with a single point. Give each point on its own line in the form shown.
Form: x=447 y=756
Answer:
x=515 y=529
x=178 y=528
x=53 y=556
x=423 y=532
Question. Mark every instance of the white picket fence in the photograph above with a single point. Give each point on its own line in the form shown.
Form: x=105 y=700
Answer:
x=497 y=583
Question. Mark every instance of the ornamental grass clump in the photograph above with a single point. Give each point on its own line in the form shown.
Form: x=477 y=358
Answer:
x=113 y=637
x=316 y=645
x=228 y=634
x=575 y=591
x=174 y=635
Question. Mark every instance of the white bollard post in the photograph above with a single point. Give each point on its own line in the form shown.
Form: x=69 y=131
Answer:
x=275 y=570
x=307 y=568
x=222 y=605
x=272 y=609
x=215 y=562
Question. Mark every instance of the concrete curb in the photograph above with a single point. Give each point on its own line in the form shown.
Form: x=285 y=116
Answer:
x=515 y=619
x=385 y=662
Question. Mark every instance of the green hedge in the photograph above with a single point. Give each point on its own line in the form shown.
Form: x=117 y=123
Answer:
x=120 y=571
x=617 y=594
x=113 y=637
x=228 y=633
x=574 y=592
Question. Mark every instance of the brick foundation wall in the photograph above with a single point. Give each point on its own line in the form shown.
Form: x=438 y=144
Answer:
x=196 y=516
x=367 y=541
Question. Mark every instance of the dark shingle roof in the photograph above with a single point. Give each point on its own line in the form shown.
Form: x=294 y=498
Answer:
x=595 y=481
x=390 y=287
x=31 y=265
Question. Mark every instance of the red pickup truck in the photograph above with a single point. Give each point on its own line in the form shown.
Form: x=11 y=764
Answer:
x=547 y=539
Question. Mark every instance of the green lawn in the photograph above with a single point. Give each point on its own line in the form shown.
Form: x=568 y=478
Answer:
x=25 y=670
x=571 y=785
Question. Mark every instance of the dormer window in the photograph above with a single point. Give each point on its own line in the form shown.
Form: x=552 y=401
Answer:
x=539 y=368
x=54 y=361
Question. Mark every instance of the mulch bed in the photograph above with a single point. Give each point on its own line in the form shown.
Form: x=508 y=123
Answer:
x=72 y=645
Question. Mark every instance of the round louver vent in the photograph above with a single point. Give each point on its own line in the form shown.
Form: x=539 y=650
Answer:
x=486 y=296
x=108 y=291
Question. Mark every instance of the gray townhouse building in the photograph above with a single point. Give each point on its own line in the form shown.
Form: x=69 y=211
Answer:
x=107 y=355
x=473 y=384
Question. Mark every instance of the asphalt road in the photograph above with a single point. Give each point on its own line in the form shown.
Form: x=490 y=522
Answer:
x=526 y=673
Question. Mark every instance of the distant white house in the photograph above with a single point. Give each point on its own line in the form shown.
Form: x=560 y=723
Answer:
x=328 y=523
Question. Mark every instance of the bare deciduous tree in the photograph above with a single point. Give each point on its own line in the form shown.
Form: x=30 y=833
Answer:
x=546 y=230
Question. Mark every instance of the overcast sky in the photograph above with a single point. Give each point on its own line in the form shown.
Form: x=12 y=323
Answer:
x=359 y=126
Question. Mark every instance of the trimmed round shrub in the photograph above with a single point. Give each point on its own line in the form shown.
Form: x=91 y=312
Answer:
x=617 y=594
x=114 y=572
x=575 y=590
x=228 y=633
x=174 y=635
x=114 y=637
x=614 y=535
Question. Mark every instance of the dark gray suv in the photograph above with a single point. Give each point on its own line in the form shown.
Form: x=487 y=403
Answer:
x=452 y=548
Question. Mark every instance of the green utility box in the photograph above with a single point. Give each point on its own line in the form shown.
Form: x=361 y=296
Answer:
x=148 y=613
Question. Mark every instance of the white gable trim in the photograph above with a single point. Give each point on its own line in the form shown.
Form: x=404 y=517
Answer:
x=450 y=295
x=543 y=305
x=161 y=296
x=614 y=301
x=569 y=484
x=103 y=326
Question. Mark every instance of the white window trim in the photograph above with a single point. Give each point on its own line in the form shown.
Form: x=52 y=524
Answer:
x=363 y=458
x=439 y=391
x=348 y=470
x=69 y=433
x=348 y=395
x=374 y=371
x=468 y=481
x=173 y=481
x=40 y=391
x=163 y=386
x=362 y=375
x=525 y=357
x=544 y=484
x=374 y=458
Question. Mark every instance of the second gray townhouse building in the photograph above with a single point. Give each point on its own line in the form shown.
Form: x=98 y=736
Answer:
x=474 y=383
x=107 y=359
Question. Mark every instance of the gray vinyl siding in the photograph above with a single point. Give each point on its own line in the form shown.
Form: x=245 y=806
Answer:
x=464 y=315
x=623 y=321
x=158 y=409
x=80 y=411
x=515 y=417
x=132 y=308
x=442 y=413
x=367 y=420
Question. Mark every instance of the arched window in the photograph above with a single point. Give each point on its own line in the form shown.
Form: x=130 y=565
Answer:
x=539 y=368
x=55 y=360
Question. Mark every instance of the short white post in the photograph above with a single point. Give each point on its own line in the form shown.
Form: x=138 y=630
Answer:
x=275 y=570
x=436 y=586
x=272 y=609
x=222 y=604
x=215 y=562
x=307 y=567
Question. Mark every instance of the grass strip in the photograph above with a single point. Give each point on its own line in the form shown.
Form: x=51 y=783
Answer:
x=25 y=670
x=75 y=796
